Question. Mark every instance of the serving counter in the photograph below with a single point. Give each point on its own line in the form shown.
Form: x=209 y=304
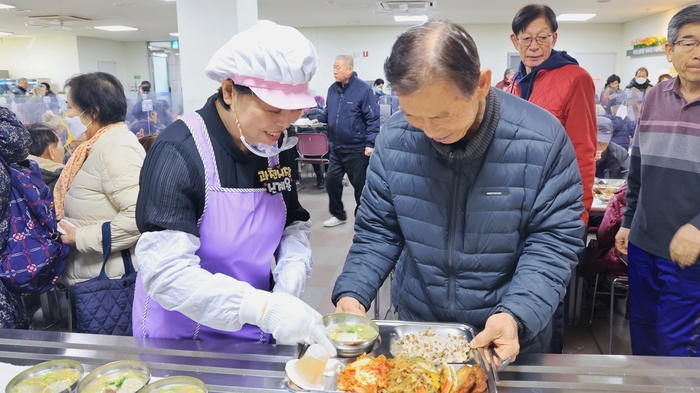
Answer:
x=232 y=367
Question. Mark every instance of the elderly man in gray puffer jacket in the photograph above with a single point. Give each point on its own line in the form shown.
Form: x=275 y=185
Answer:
x=473 y=195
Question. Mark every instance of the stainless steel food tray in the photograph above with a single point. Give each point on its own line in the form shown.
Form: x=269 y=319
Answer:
x=389 y=332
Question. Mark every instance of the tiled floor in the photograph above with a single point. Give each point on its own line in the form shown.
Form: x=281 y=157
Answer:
x=330 y=247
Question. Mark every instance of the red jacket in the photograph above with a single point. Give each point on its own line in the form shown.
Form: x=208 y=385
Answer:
x=568 y=93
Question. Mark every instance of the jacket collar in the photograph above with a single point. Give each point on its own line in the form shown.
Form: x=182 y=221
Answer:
x=476 y=147
x=46 y=163
x=352 y=79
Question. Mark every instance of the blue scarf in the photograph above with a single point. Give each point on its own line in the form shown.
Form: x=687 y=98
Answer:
x=556 y=59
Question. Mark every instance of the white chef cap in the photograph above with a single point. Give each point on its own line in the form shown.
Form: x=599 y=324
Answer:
x=276 y=62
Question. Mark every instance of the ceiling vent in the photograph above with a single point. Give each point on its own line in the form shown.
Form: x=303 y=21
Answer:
x=398 y=6
x=48 y=21
x=57 y=19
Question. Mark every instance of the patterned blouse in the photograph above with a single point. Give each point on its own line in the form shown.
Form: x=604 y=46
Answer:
x=14 y=147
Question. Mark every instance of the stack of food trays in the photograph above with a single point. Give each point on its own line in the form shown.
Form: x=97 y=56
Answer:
x=398 y=357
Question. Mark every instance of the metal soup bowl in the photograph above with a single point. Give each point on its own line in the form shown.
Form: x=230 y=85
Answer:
x=118 y=368
x=44 y=368
x=172 y=383
x=348 y=349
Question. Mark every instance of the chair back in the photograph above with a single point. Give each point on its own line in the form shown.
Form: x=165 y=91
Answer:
x=312 y=145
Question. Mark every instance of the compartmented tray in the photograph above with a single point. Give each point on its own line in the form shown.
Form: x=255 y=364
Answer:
x=389 y=332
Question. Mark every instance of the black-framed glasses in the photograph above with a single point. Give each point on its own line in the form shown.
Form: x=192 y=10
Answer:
x=541 y=39
x=687 y=45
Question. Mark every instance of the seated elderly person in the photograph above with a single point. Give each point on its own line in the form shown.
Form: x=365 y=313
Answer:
x=612 y=161
x=473 y=196
x=47 y=151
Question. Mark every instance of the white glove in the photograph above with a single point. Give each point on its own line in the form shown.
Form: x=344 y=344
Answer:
x=288 y=319
x=291 y=279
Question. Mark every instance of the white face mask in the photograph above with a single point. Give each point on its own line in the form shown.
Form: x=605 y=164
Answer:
x=75 y=126
x=267 y=151
x=640 y=81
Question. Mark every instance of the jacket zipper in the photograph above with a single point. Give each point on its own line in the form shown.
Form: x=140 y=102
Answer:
x=451 y=240
x=337 y=115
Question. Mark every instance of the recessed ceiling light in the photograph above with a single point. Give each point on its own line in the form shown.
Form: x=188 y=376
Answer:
x=175 y=34
x=411 y=18
x=6 y=6
x=116 y=28
x=574 y=17
x=5 y=33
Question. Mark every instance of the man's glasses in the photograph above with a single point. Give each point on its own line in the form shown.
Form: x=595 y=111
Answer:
x=687 y=45
x=541 y=40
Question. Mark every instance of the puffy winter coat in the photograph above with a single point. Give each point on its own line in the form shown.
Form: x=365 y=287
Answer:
x=105 y=189
x=352 y=115
x=495 y=228
x=568 y=93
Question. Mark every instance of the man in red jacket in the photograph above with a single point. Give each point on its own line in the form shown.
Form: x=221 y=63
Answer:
x=554 y=81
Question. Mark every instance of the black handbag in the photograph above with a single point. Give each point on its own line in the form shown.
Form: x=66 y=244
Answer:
x=102 y=305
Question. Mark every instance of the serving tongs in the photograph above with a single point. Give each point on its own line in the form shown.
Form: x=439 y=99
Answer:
x=490 y=361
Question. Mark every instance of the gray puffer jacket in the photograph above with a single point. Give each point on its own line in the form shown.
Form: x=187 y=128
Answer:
x=490 y=226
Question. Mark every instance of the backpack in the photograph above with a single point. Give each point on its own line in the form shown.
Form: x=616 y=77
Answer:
x=34 y=256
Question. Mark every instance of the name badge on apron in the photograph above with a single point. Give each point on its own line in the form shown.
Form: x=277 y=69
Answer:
x=276 y=179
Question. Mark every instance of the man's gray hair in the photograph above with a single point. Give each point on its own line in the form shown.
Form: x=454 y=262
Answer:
x=686 y=16
x=347 y=59
x=20 y=80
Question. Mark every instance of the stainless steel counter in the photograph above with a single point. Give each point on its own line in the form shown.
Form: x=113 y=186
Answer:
x=230 y=367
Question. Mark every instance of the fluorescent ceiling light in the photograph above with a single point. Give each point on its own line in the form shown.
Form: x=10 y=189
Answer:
x=574 y=17
x=410 y=18
x=5 y=33
x=116 y=28
x=175 y=34
x=6 y=6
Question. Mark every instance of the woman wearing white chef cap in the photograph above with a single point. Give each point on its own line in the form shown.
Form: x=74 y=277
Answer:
x=217 y=203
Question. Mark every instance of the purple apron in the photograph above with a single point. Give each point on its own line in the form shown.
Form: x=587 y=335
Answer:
x=239 y=233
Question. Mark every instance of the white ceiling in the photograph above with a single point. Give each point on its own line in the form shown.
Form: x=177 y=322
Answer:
x=155 y=19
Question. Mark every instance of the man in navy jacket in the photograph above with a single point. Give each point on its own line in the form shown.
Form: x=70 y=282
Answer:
x=352 y=115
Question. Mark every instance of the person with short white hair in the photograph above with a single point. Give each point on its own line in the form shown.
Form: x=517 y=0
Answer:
x=218 y=203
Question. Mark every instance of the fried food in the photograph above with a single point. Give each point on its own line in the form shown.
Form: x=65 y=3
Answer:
x=412 y=374
x=472 y=379
x=365 y=375
x=433 y=347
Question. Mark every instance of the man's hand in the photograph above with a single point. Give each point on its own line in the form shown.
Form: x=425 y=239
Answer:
x=501 y=330
x=622 y=239
x=350 y=305
x=598 y=155
x=368 y=151
x=685 y=245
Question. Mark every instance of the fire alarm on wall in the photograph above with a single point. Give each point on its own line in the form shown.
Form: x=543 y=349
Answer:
x=365 y=54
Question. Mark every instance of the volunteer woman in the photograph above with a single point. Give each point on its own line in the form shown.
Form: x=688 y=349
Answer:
x=217 y=203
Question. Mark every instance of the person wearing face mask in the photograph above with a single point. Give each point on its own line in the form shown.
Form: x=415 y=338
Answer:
x=377 y=87
x=218 y=202
x=100 y=182
x=640 y=82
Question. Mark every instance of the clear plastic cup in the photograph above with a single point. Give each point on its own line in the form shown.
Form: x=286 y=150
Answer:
x=307 y=372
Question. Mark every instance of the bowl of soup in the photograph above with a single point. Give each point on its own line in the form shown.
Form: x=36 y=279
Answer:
x=124 y=376
x=351 y=334
x=176 y=385
x=55 y=376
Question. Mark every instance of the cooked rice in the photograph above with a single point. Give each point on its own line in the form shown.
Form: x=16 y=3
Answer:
x=433 y=347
